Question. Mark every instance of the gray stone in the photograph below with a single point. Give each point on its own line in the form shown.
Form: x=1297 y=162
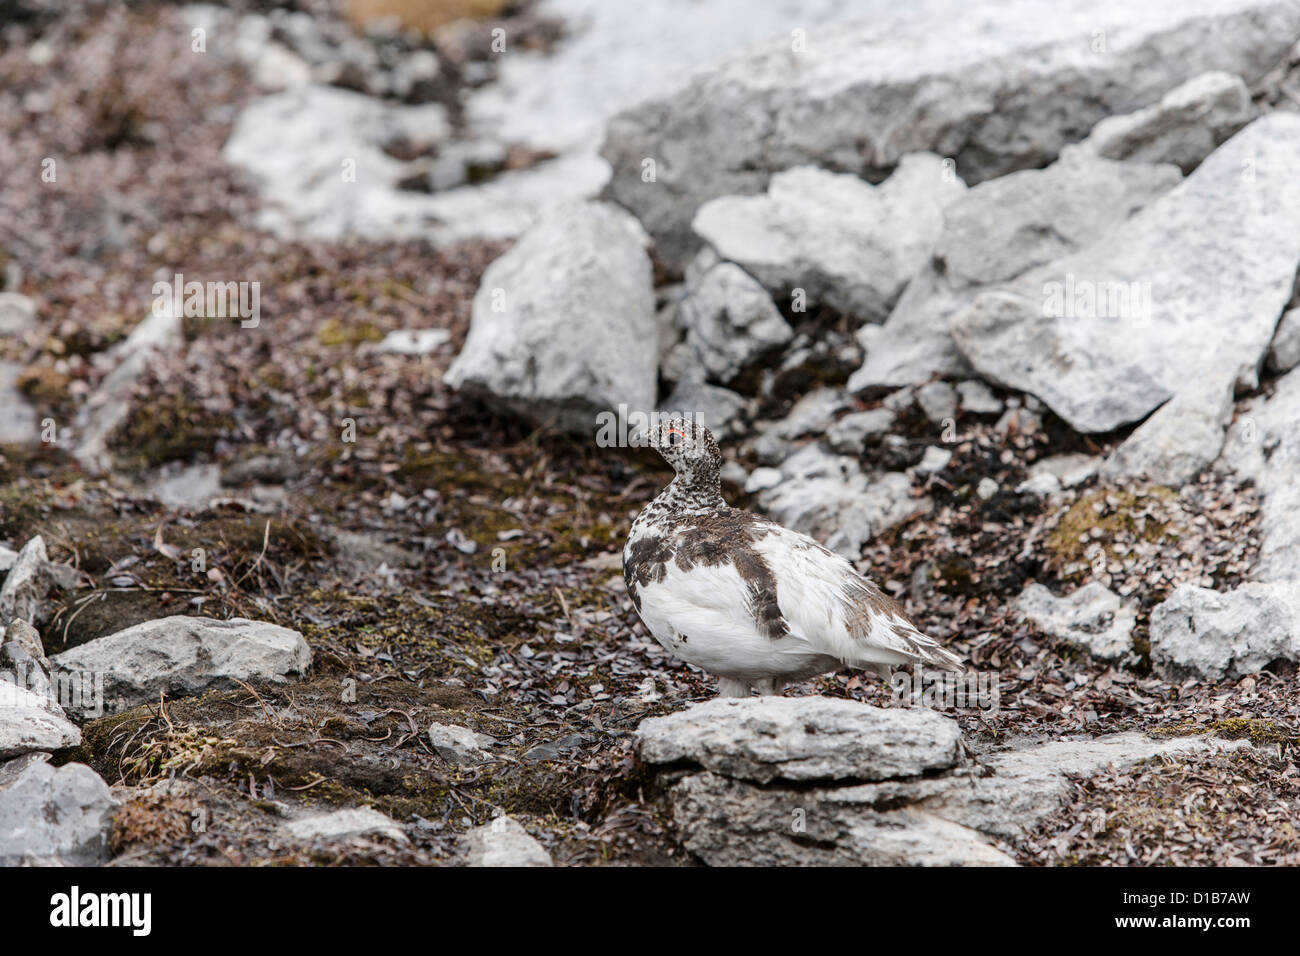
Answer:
x=49 y=815
x=414 y=341
x=986 y=489
x=718 y=409
x=1041 y=485
x=26 y=584
x=180 y=656
x=938 y=400
x=110 y=403
x=1199 y=632
x=935 y=459
x=1263 y=445
x=1188 y=123
x=1069 y=470
x=760 y=479
x=17 y=314
x=18 y=422
x=572 y=294
x=31 y=721
x=727 y=822
x=1021 y=787
x=342 y=825
x=1284 y=352
x=1187 y=291
x=1179 y=441
x=846 y=243
x=8 y=557
x=999 y=88
x=830 y=498
x=730 y=321
x=995 y=232
x=849 y=434
x=460 y=745
x=503 y=842
x=1092 y=617
x=801 y=739
x=978 y=399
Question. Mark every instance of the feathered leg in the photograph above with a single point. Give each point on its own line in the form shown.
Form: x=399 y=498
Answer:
x=730 y=687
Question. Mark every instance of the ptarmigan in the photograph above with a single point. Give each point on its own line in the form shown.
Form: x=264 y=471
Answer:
x=740 y=596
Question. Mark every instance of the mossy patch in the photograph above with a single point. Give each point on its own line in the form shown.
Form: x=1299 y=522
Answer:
x=1101 y=515
x=1258 y=731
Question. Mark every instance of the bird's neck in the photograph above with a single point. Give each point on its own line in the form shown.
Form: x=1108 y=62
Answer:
x=693 y=492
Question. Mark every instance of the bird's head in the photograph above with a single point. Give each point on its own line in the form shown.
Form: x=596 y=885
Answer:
x=684 y=444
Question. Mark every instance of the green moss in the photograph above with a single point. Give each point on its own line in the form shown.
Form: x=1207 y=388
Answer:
x=338 y=332
x=1112 y=513
x=1258 y=730
x=162 y=431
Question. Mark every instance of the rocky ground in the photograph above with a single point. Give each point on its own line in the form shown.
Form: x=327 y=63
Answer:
x=441 y=664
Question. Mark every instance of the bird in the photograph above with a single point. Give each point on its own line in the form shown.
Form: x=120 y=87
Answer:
x=742 y=597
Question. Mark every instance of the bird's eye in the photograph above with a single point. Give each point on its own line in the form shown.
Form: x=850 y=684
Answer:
x=674 y=438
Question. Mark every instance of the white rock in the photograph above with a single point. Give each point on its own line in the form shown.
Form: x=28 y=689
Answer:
x=18 y=423
x=716 y=408
x=998 y=87
x=830 y=498
x=414 y=341
x=460 y=745
x=846 y=243
x=30 y=721
x=996 y=231
x=1092 y=617
x=503 y=842
x=185 y=655
x=1188 y=123
x=342 y=824
x=938 y=400
x=26 y=584
x=849 y=434
x=986 y=489
x=1180 y=440
x=17 y=314
x=978 y=399
x=53 y=816
x=110 y=404
x=730 y=321
x=1187 y=291
x=1070 y=470
x=1263 y=445
x=1039 y=485
x=934 y=459
x=760 y=479
x=801 y=739
x=553 y=317
x=1199 y=632
x=1284 y=352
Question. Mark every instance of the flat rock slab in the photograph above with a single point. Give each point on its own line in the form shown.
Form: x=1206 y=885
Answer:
x=180 y=656
x=998 y=87
x=344 y=824
x=30 y=721
x=53 y=816
x=1189 y=290
x=801 y=739
x=727 y=822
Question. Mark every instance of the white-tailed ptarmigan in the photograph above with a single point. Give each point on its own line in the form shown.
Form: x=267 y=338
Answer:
x=738 y=595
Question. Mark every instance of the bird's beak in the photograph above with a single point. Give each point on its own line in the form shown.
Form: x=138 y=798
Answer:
x=639 y=438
